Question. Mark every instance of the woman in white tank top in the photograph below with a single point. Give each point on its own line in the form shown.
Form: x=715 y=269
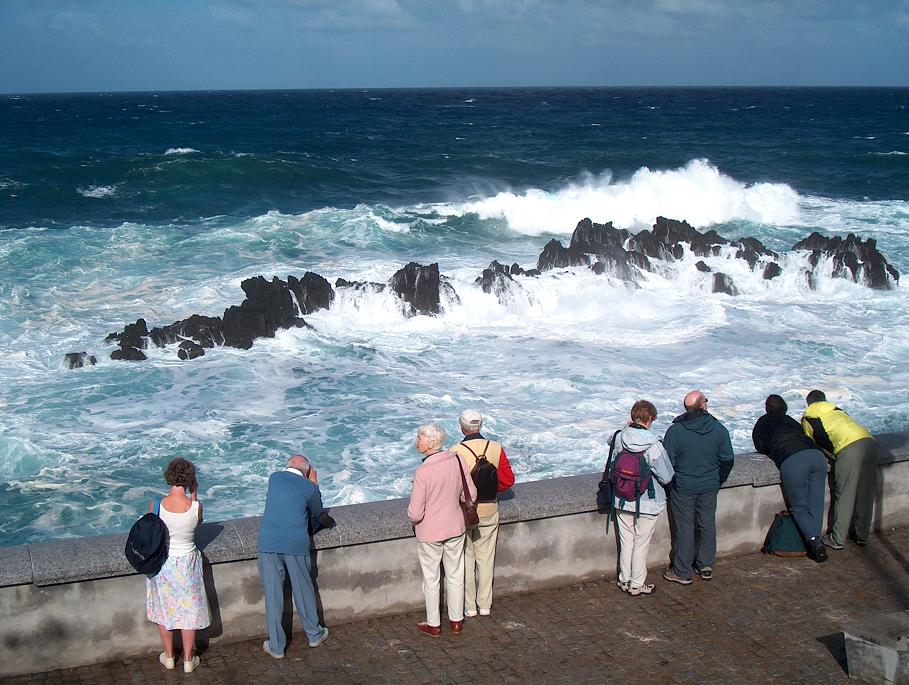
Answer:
x=175 y=597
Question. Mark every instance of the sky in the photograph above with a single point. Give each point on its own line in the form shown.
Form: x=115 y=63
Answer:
x=116 y=45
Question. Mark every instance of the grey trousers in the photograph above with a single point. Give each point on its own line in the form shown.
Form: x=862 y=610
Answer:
x=854 y=488
x=690 y=509
x=272 y=569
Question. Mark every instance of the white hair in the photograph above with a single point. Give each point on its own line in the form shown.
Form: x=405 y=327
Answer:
x=298 y=461
x=435 y=434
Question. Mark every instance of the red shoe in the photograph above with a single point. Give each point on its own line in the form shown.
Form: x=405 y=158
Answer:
x=432 y=631
x=457 y=627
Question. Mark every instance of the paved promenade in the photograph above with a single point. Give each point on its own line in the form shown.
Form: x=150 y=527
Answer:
x=762 y=619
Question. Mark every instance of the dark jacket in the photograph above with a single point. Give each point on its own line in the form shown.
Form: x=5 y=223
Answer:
x=779 y=436
x=700 y=451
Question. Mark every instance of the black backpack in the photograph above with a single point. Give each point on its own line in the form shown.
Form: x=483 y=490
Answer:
x=485 y=476
x=147 y=543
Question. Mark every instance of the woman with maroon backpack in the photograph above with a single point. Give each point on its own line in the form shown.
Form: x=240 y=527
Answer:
x=638 y=468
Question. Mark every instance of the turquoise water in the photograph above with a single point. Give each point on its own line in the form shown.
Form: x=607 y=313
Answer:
x=118 y=206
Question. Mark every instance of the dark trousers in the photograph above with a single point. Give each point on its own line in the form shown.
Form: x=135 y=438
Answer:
x=689 y=510
x=804 y=476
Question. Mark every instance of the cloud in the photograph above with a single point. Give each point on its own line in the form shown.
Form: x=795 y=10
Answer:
x=709 y=7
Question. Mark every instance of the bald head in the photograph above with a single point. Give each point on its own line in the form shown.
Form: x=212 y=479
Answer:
x=695 y=400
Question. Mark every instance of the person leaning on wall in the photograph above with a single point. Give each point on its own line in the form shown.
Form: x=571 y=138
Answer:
x=803 y=470
x=854 y=453
x=293 y=512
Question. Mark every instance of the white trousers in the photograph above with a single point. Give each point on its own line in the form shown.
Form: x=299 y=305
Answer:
x=634 y=543
x=479 y=562
x=450 y=553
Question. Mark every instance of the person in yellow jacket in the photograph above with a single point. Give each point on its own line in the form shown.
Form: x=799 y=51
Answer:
x=854 y=453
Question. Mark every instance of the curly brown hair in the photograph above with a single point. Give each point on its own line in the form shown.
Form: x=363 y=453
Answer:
x=180 y=471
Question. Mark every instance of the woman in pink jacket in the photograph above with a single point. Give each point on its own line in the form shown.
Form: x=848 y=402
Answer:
x=435 y=510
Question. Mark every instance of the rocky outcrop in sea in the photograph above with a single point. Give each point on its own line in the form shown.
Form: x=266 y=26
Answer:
x=270 y=306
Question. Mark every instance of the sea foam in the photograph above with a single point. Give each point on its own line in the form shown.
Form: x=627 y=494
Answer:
x=97 y=191
x=697 y=192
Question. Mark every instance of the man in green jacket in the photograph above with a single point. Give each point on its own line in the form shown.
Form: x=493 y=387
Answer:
x=701 y=454
x=854 y=454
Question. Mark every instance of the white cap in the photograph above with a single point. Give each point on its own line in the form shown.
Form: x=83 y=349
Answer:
x=471 y=418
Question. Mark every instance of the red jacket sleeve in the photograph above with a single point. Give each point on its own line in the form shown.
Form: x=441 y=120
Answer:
x=506 y=475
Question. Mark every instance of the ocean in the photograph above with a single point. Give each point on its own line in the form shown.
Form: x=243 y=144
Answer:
x=117 y=206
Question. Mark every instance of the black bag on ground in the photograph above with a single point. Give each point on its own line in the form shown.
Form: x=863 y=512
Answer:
x=147 y=543
x=784 y=539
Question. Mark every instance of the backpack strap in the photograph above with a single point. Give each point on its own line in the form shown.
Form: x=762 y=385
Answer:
x=609 y=458
x=157 y=508
x=609 y=464
x=467 y=447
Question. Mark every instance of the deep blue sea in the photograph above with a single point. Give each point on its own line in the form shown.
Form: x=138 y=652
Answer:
x=115 y=206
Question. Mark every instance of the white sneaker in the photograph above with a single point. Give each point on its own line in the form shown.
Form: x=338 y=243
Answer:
x=267 y=650
x=643 y=590
x=470 y=613
x=484 y=612
x=321 y=639
x=166 y=661
x=190 y=666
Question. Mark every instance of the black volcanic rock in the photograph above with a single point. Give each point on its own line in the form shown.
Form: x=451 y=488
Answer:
x=418 y=286
x=496 y=279
x=267 y=308
x=702 y=267
x=312 y=292
x=190 y=350
x=646 y=243
x=846 y=265
x=708 y=243
x=76 y=360
x=670 y=231
x=555 y=256
x=771 y=271
x=597 y=239
x=723 y=284
x=853 y=258
x=360 y=285
x=129 y=354
x=133 y=335
x=207 y=331
x=751 y=250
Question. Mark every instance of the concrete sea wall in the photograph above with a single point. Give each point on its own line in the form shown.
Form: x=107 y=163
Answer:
x=77 y=601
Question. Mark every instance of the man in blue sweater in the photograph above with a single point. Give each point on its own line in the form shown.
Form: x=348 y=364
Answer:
x=701 y=454
x=293 y=508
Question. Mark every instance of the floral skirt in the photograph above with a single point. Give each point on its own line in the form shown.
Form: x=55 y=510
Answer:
x=175 y=598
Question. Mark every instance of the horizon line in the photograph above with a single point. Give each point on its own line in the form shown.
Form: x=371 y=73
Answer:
x=465 y=87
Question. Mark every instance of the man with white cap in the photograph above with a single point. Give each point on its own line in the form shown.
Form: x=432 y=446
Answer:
x=491 y=473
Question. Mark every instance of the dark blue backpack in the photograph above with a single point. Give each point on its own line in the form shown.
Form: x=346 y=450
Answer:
x=147 y=543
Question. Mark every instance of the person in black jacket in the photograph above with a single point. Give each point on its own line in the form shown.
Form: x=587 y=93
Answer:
x=803 y=470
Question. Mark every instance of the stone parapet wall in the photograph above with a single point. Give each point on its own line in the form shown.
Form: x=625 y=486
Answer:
x=77 y=601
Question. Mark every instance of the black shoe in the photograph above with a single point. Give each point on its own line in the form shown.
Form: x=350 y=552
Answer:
x=819 y=551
